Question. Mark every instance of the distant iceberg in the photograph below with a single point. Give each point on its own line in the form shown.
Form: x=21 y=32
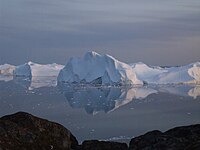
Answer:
x=39 y=75
x=189 y=74
x=23 y=71
x=6 y=72
x=145 y=72
x=31 y=69
x=6 y=69
x=97 y=69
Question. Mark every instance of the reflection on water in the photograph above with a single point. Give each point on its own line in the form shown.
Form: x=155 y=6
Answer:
x=116 y=113
x=36 y=82
x=194 y=92
x=5 y=78
x=107 y=99
x=24 y=82
x=123 y=93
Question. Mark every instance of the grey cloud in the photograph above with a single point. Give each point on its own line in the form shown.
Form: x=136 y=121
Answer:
x=51 y=31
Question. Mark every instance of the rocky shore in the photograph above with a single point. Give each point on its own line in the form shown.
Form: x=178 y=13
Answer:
x=23 y=131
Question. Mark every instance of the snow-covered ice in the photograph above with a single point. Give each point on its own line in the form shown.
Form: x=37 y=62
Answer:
x=48 y=70
x=33 y=69
x=23 y=71
x=97 y=69
x=188 y=74
x=40 y=75
x=94 y=68
x=6 y=69
x=145 y=72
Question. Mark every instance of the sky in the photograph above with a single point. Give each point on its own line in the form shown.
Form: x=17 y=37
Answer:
x=156 y=32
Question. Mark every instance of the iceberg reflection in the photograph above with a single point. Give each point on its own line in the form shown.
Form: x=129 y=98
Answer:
x=107 y=99
x=194 y=92
x=38 y=82
x=24 y=82
x=180 y=90
x=32 y=83
x=5 y=78
x=102 y=98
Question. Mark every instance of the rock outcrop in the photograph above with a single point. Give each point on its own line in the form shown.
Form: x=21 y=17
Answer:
x=179 y=138
x=23 y=131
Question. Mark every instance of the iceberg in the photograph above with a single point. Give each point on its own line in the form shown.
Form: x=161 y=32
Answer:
x=6 y=69
x=39 y=75
x=145 y=72
x=6 y=72
x=48 y=70
x=188 y=74
x=22 y=71
x=31 y=69
x=98 y=69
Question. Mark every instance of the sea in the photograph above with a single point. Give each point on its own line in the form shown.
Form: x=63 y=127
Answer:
x=111 y=113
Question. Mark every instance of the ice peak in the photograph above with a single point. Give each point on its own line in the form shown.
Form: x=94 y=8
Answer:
x=196 y=64
x=30 y=63
x=111 y=57
x=91 y=54
x=140 y=63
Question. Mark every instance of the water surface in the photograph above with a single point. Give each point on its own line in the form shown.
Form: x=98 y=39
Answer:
x=104 y=113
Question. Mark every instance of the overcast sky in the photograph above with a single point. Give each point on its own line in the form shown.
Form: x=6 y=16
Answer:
x=156 y=32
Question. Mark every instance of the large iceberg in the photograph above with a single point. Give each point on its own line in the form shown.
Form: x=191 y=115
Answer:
x=98 y=69
x=31 y=69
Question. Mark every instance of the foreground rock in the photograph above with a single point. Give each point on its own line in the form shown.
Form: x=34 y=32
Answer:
x=22 y=131
x=179 y=138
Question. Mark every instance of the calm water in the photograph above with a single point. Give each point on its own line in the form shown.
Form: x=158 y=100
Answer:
x=107 y=113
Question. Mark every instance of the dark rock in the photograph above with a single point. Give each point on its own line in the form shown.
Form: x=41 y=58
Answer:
x=23 y=131
x=103 y=145
x=179 y=138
